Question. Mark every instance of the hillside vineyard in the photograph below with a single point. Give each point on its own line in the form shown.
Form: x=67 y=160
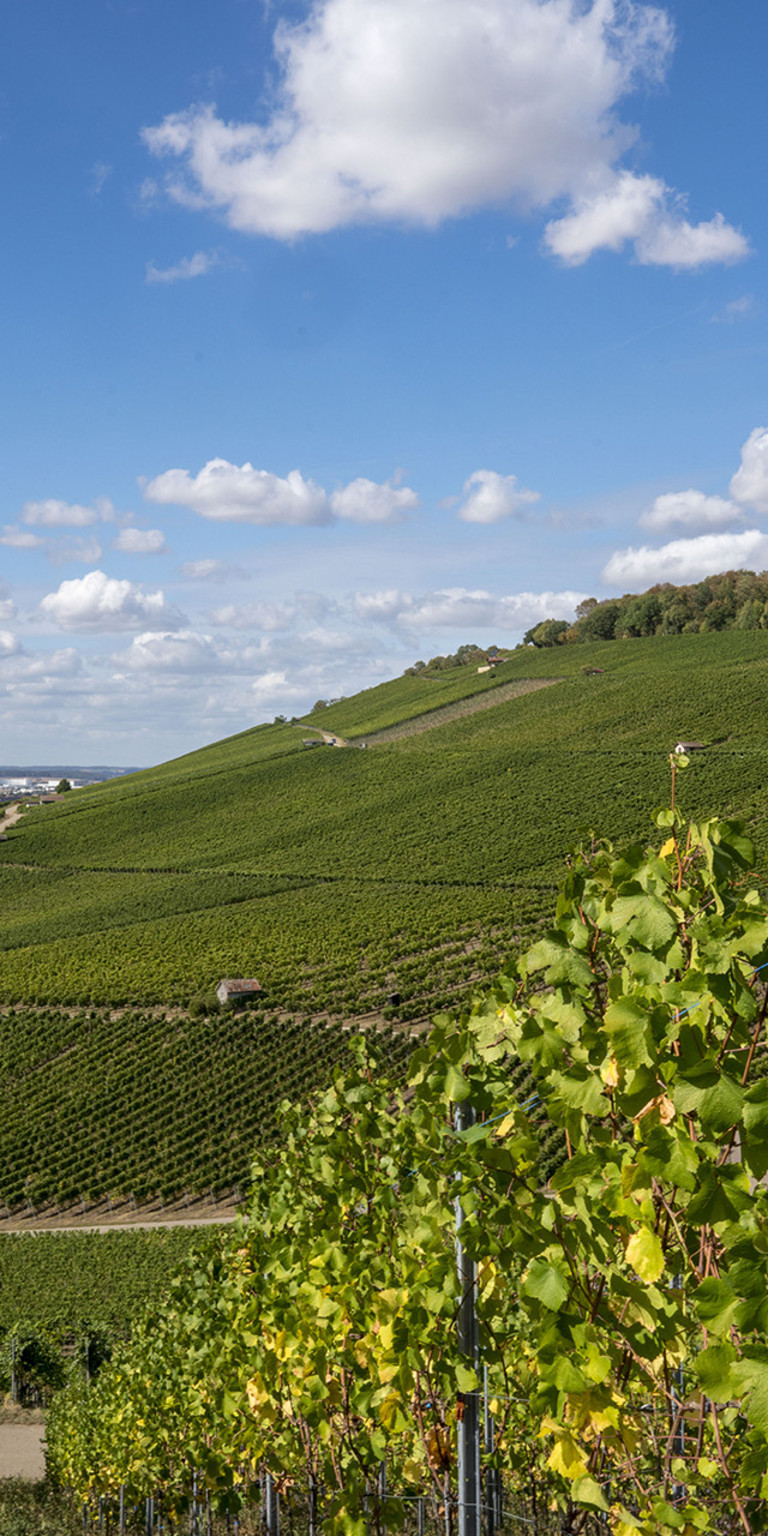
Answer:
x=361 y=887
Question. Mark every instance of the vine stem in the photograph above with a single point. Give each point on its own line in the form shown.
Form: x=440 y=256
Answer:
x=726 y=1469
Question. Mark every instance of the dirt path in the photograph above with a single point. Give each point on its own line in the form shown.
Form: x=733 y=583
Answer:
x=21 y=1451
x=474 y=705
x=9 y=818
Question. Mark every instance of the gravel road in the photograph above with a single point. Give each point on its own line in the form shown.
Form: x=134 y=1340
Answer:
x=21 y=1451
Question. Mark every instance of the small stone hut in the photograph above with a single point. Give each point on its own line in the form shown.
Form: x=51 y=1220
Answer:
x=231 y=990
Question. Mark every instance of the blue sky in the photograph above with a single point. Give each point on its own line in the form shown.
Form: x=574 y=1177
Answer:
x=338 y=334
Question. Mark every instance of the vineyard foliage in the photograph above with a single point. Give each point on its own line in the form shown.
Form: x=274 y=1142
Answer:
x=67 y=1297
x=138 y=1104
x=620 y=1289
x=340 y=878
x=63 y=1282
x=256 y=846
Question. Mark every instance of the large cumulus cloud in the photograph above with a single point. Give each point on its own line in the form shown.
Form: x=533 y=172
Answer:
x=414 y=111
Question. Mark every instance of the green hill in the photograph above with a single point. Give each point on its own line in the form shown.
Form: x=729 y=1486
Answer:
x=338 y=877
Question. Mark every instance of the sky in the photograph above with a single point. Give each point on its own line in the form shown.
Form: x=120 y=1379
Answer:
x=338 y=334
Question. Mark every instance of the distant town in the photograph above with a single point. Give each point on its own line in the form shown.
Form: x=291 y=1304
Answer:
x=18 y=783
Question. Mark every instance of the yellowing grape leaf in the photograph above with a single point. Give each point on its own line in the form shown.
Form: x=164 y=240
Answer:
x=567 y=1457
x=645 y=1255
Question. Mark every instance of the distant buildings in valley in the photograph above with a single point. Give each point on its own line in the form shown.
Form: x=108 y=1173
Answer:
x=12 y=787
x=23 y=783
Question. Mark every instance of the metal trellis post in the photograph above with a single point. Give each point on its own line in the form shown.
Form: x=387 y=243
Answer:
x=469 y=1421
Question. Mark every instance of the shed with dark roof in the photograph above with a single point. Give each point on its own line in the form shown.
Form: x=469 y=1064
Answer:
x=237 y=990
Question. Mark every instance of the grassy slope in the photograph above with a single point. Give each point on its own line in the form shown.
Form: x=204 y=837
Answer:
x=256 y=853
x=338 y=876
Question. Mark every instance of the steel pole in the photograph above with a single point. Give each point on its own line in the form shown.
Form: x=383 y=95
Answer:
x=469 y=1420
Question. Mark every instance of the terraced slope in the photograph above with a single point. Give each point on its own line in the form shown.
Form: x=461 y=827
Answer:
x=339 y=878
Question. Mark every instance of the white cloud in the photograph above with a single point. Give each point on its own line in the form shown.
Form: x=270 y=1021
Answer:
x=99 y=602
x=100 y=174
x=20 y=538
x=230 y=493
x=190 y=266
x=381 y=606
x=41 y=667
x=687 y=559
x=274 y=687
x=262 y=616
x=66 y=514
x=420 y=110
x=323 y=626
x=187 y=651
x=746 y=307
x=85 y=551
x=204 y=570
x=642 y=209
x=690 y=509
x=750 y=483
x=140 y=541
x=364 y=501
x=7 y=605
x=236 y=493
x=488 y=497
x=459 y=608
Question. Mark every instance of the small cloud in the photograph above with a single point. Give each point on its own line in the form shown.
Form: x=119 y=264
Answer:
x=274 y=686
x=642 y=210
x=365 y=501
x=381 y=607
x=7 y=606
x=100 y=174
x=185 y=651
x=148 y=194
x=84 y=551
x=190 y=266
x=53 y=513
x=687 y=559
x=747 y=307
x=204 y=570
x=690 y=509
x=140 y=541
x=270 y=617
x=236 y=493
x=213 y=570
x=20 y=538
x=460 y=609
x=750 y=483
x=240 y=493
x=99 y=602
x=488 y=497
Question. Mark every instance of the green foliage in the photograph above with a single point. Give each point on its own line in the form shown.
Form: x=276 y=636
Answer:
x=88 y=1282
x=468 y=655
x=142 y=1105
x=549 y=632
x=621 y=1300
x=732 y=600
x=335 y=877
x=37 y=1509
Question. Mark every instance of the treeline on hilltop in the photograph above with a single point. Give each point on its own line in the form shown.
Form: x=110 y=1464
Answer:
x=469 y=655
x=732 y=600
